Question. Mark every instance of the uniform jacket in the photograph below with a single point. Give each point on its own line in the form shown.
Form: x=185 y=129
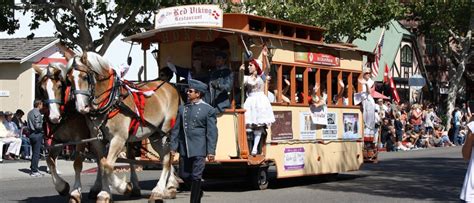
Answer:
x=195 y=132
x=221 y=82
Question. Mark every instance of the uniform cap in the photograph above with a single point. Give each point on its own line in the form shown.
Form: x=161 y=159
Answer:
x=197 y=85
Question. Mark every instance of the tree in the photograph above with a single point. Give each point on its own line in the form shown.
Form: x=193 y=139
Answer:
x=8 y=22
x=445 y=23
x=344 y=20
x=74 y=20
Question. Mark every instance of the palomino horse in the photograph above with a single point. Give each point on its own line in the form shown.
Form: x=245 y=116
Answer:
x=69 y=126
x=115 y=107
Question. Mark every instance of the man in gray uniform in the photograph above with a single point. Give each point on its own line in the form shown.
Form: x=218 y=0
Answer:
x=221 y=82
x=194 y=136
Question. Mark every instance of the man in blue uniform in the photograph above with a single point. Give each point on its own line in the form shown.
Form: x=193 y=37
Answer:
x=221 y=82
x=194 y=136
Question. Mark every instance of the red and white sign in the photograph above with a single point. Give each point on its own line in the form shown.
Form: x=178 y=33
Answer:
x=189 y=15
x=323 y=59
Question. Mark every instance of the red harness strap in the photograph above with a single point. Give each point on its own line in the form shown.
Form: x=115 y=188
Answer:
x=139 y=100
x=67 y=92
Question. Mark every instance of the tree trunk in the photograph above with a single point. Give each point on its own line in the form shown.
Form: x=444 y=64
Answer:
x=457 y=74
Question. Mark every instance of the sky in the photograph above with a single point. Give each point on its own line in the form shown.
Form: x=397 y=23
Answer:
x=116 y=53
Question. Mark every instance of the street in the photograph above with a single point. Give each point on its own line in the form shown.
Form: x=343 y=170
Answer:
x=426 y=175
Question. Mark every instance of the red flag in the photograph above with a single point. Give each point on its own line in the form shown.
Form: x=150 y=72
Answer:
x=396 y=98
x=385 y=74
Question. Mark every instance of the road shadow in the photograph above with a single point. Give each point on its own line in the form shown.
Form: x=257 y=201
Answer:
x=428 y=179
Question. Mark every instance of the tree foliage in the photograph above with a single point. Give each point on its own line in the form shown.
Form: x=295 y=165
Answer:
x=8 y=23
x=436 y=18
x=74 y=20
x=347 y=20
x=448 y=26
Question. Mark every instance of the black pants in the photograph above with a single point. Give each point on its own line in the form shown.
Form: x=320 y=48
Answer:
x=191 y=169
x=36 y=141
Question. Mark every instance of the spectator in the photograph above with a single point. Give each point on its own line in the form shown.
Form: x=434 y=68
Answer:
x=416 y=117
x=385 y=132
x=430 y=119
x=391 y=139
x=17 y=119
x=399 y=132
x=8 y=136
x=13 y=128
x=440 y=137
x=425 y=138
x=457 y=117
x=35 y=125
x=466 y=113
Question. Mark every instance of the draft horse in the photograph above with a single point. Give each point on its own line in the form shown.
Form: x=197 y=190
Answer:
x=68 y=126
x=125 y=112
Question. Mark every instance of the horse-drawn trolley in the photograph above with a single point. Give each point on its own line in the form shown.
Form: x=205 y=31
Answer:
x=305 y=139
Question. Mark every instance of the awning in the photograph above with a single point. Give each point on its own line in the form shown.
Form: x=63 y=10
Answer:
x=377 y=95
x=142 y=37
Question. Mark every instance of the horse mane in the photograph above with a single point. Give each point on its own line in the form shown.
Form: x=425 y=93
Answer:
x=59 y=66
x=54 y=65
x=97 y=63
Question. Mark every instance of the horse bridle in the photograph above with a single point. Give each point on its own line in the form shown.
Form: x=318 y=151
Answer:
x=90 y=80
x=91 y=93
x=59 y=101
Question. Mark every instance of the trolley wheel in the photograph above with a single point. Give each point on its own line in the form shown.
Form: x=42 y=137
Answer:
x=259 y=178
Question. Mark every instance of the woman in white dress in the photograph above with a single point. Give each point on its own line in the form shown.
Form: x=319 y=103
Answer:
x=467 y=192
x=259 y=113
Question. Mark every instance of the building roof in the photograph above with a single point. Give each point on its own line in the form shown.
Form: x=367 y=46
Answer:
x=21 y=48
x=391 y=44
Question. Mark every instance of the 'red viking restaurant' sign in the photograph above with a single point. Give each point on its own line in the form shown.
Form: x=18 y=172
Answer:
x=191 y=15
x=323 y=59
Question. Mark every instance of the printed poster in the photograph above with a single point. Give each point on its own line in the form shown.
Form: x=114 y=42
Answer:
x=294 y=158
x=281 y=129
x=330 y=131
x=351 y=126
x=319 y=114
x=307 y=127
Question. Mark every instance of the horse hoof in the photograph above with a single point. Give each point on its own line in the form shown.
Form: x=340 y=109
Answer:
x=65 y=190
x=75 y=196
x=170 y=193
x=73 y=199
x=103 y=200
x=155 y=197
x=103 y=197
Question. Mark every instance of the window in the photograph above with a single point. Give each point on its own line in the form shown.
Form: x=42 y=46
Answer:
x=406 y=57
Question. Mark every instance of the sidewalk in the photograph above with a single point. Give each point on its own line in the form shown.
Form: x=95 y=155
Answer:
x=21 y=169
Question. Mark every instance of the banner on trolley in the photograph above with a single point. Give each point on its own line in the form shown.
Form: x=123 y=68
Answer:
x=190 y=15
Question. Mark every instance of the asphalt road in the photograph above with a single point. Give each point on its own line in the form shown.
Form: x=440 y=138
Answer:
x=429 y=175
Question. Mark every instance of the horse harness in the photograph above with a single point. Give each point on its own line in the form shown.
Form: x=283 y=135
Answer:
x=113 y=103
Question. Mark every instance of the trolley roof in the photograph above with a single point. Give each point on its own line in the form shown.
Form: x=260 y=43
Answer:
x=244 y=24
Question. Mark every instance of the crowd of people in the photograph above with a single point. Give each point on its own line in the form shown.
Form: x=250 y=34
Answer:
x=408 y=127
